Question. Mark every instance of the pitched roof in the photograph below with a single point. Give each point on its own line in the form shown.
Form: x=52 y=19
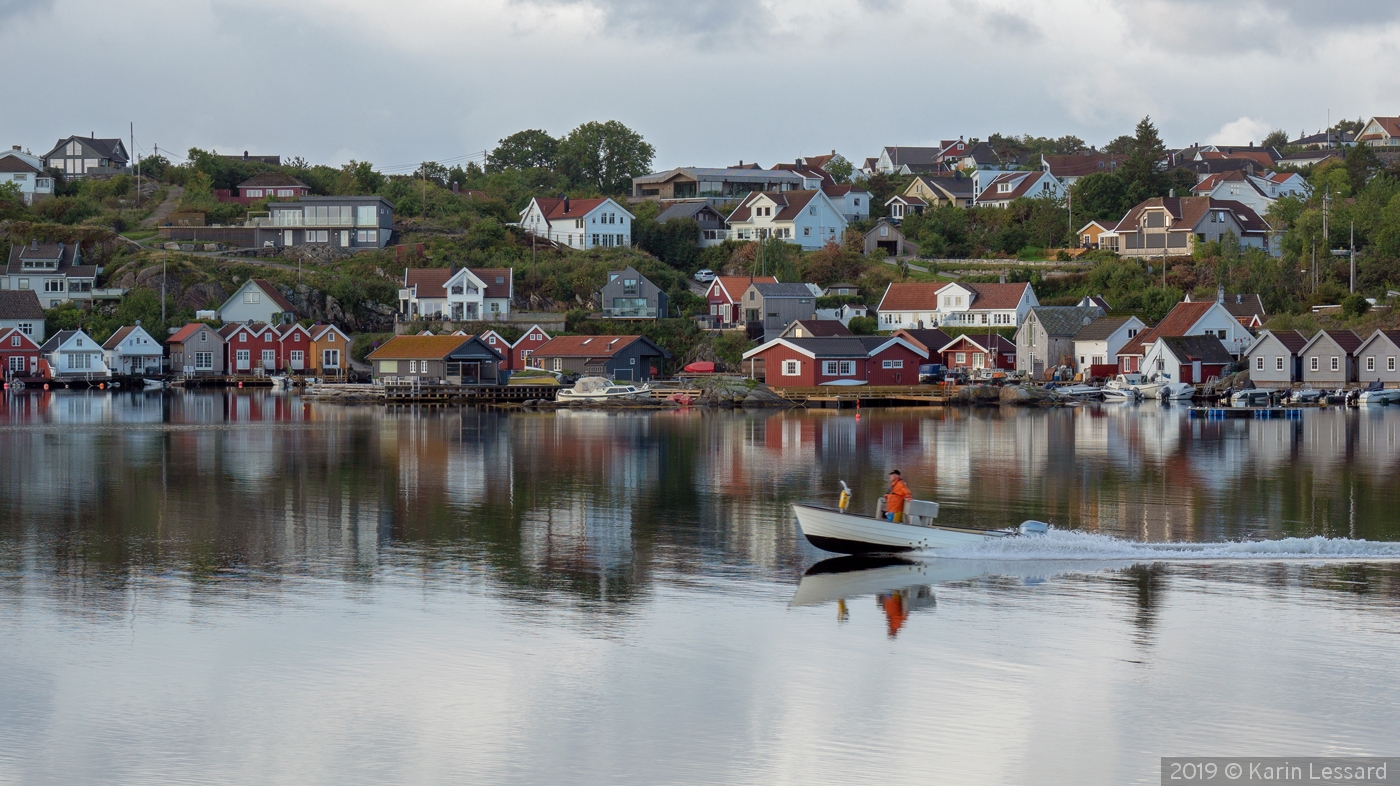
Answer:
x=17 y=164
x=274 y=293
x=735 y=286
x=20 y=304
x=931 y=339
x=116 y=338
x=273 y=179
x=184 y=333
x=555 y=209
x=685 y=210
x=107 y=148
x=1292 y=340
x=57 y=340
x=1242 y=305
x=1081 y=164
x=1065 y=321
x=489 y=276
x=1206 y=349
x=913 y=156
x=783 y=290
x=1177 y=322
x=1345 y=339
x=821 y=328
x=984 y=341
x=255 y=328
x=1100 y=329
x=65 y=253
x=418 y=347
x=995 y=296
x=1020 y=184
x=789 y=204
x=8 y=332
x=585 y=346
x=428 y=280
x=910 y=296
x=319 y=332
x=1187 y=212
x=1391 y=126
x=955 y=186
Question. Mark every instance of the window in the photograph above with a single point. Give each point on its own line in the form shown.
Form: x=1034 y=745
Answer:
x=364 y=216
x=960 y=358
x=1278 y=364
x=330 y=358
x=204 y=361
x=24 y=283
x=1312 y=365
x=1259 y=363
x=848 y=368
x=1370 y=364
x=252 y=296
x=806 y=230
x=829 y=368
x=53 y=285
x=318 y=236
x=254 y=192
x=558 y=364
x=792 y=368
x=1003 y=188
x=367 y=236
x=1335 y=363
x=14 y=341
x=1389 y=362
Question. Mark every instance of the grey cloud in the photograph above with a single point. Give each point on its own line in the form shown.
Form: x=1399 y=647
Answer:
x=705 y=21
x=1012 y=26
x=1206 y=25
x=11 y=9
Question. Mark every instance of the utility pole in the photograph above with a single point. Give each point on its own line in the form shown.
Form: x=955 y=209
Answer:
x=1353 y=257
x=163 y=276
x=425 y=190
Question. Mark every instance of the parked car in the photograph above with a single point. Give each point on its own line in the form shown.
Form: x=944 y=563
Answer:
x=931 y=373
x=705 y=275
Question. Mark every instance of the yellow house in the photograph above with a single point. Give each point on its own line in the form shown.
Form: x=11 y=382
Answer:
x=330 y=352
x=1089 y=234
x=941 y=190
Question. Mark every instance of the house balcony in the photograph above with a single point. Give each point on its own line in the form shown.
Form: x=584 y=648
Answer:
x=630 y=312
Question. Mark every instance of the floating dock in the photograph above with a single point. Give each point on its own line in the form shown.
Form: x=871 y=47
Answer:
x=1248 y=413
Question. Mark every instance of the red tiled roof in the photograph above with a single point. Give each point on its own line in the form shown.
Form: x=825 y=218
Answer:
x=789 y=204
x=910 y=296
x=996 y=296
x=553 y=209
x=116 y=338
x=734 y=286
x=17 y=164
x=1177 y=322
x=488 y=276
x=185 y=332
x=1081 y=164
x=1391 y=125
x=273 y=293
x=428 y=280
x=583 y=346
x=1187 y=212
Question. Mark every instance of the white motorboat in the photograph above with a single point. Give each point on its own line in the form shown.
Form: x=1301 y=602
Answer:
x=1177 y=391
x=1079 y=391
x=1253 y=397
x=1150 y=388
x=281 y=382
x=154 y=384
x=836 y=530
x=600 y=389
x=1122 y=388
x=1377 y=395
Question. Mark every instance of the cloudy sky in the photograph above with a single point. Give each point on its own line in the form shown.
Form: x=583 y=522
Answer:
x=708 y=82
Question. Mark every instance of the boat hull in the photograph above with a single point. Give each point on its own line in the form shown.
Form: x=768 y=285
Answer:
x=846 y=533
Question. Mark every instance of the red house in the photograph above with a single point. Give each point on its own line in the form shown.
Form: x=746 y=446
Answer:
x=725 y=293
x=498 y=342
x=19 y=355
x=264 y=185
x=809 y=362
x=250 y=348
x=294 y=348
x=525 y=346
x=979 y=352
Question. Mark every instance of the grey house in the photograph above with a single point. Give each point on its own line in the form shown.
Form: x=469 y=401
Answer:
x=1046 y=336
x=349 y=222
x=775 y=306
x=628 y=358
x=1327 y=358
x=1274 y=358
x=629 y=295
x=887 y=236
x=197 y=349
x=713 y=228
x=1377 y=357
x=78 y=157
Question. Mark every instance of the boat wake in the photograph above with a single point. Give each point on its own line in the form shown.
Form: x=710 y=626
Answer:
x=1059 y=544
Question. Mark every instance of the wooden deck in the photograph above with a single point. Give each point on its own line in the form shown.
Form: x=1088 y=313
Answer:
x=432 y=394
x=868 y=396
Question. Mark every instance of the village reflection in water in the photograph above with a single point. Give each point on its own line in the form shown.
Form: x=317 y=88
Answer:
x=98 y=489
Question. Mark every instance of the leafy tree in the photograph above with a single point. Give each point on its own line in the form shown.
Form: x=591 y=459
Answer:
x=434 y=173
x=11 y=202
x=1278 y=138
x=1355 y=305
x=1142 y=169
x=358 y=178
x=1362 y=163
x=839 y=168
x=864 y=326
x=605 y=156
x=1120 y=146
x=1102 y=196
x=674 y=242
x=530 y=149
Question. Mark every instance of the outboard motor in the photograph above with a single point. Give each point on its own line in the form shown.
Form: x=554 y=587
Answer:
x=1034 y=528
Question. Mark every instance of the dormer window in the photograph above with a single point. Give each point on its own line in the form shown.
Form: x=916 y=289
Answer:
x=1003 y=188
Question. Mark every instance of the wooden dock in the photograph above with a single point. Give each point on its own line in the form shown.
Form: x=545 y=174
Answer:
x=432 y=394
x=868 y=396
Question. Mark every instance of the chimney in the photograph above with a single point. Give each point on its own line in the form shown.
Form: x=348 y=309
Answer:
x=245 y=155
x=1220 y=294
x=15 y=148
x=1171 y=192
x=1188 y=298
x=741 y=163
x=456 y=187
x=566 y=205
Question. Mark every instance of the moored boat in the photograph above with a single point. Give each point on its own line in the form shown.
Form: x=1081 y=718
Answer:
x=600 y=389
x=1377 y=394
x=1177 y=391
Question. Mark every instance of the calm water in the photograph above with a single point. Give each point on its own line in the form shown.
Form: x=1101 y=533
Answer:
x=248 y=588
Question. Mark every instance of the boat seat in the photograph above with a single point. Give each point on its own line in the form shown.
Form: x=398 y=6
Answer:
x=920 y=513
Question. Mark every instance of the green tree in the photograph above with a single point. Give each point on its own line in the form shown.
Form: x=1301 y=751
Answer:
x=839 y=168
x=1101 y=195
x=1355 y=305
x=1277 y=139
x=358 y=178
x=605 y=156
x=529 y=149
x=1142 y=170
x=1120 y=146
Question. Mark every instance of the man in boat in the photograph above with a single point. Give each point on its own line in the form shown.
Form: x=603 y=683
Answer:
x=899 y=494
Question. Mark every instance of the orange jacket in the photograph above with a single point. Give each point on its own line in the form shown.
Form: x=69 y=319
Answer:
x=899 y=492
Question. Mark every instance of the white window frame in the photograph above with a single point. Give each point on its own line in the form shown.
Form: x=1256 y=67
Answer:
x=847 y=368
x=1313 y=366
x=1371 y=363
x=1336 y=363
x=1278 y=363
x=1259 y=363
x=792 y=368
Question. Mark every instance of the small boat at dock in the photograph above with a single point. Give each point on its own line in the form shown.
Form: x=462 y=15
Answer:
x=600 y=389
x=839 y=531
x=1377 y=395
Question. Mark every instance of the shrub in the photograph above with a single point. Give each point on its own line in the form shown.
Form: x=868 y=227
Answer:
x=864 y=326
x=1355 y=306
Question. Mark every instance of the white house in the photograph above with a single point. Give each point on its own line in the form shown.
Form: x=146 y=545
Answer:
x=257 y=300
x=1191 y=359
x=852 y=201
x=578 y=223
x=34 y=183
x=1256 y=193
x=806 y=218
x=1097 y=343
x=927 y=305
x=1006 y=186
x=132 y=351
x=456 y=294
x=72 y=354
x=1380 y=132
x=21 y=310
x=1188 y=318
x=53 y=271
